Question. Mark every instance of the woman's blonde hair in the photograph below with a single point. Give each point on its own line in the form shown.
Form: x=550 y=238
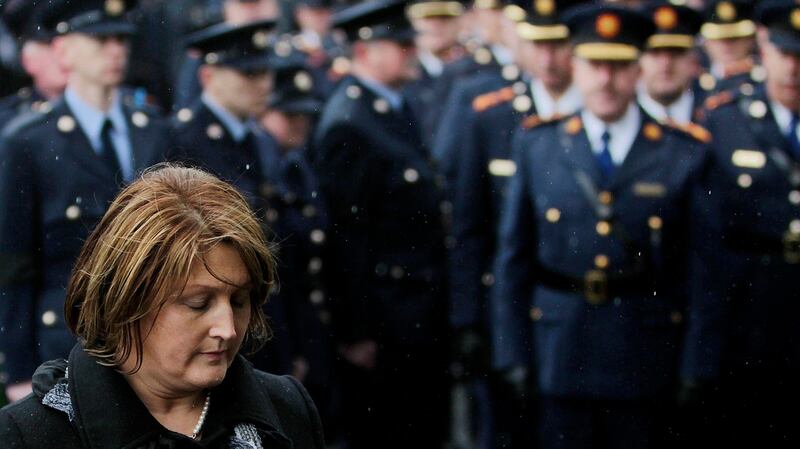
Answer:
x=142 y=252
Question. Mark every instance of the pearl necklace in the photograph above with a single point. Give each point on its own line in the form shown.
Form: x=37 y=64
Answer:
x=202 y=418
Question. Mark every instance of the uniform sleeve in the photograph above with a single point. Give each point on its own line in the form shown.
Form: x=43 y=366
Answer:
x=18 y=259
x=514 y=265
x=10 y=434
x=704 y=331
x=345 y=169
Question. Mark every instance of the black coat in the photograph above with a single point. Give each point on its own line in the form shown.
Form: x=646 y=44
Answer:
x=108 y=414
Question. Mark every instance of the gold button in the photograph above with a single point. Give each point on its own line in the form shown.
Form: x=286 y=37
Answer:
x=65 y=124
x=318 y=236
x=49 y=318
x=185 y=115
x=655 y=223
x=315 y=265
x=73 y=212
x=603 y=228
x=676 y=317
x=536 y=314
x=553 y=215
x=601 y=261
x=794 y=197
x=744 y=181
x=605 y=197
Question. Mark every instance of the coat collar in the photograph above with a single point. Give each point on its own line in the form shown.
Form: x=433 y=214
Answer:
x=109 y=414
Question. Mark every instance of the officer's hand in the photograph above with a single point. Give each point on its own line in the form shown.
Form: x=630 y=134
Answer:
x=361 y=354
x=470 y=353
x=15 y=392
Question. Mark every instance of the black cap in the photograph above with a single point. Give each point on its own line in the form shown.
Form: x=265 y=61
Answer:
x=96 y=17
x=542 y=20
x=246 y=48
x=376 y=19
x=294 y=91
x=676 y=25
x=421 y=9
x=24 y=19
x=782 y=19
x=608 y=33
x=728 y=19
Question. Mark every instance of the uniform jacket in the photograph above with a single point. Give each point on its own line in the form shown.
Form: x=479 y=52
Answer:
x=106 y=413
x=25 y=100
x=387 y=237
x=758 y=178
x=629 y=344
x=53 y=188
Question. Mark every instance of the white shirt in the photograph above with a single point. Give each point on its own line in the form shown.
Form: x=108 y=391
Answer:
x=680 y=111
x=623 y=132
x=783 y=116
x=546 y=107
x=433 y=65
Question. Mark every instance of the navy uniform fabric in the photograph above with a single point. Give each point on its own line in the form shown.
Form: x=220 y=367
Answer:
x=756 y=174
x=26 y=100
x=54 y=188
x=388 y=261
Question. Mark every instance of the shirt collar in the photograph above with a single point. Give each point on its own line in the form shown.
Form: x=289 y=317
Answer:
x=433 y=65
x=680 y=110
x=569 y=102
x=502 y=54
x=392 y=96
x=236 y=127
x=623 y=132
x=783 y=116
x=91 y=119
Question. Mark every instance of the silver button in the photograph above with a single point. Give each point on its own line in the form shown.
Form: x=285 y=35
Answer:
x=316 y=297
x=49 y=318
x=140 y=119
x=73 y=212
x=315 y=265
x=318 y=236
x=271 y=215
x=744 y=181
x=411 y=176
x=398 y=272
x=487 y=279
x=794 y=226
x=794 y=197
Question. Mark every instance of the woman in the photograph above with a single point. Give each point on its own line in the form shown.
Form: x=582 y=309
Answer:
x=166 y=291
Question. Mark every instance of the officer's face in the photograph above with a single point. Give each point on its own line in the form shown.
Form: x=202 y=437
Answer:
x=96 y=60
x=390 y=62
x=37 y=59
x=436 y=34
x=668 y=72
x=189 y=345
x=726 y=51
x=783 y=75
x=290 y=130
x=239 y=12
x=314 y=19
x=242 y=94
x=608 y=87
x=548 y=61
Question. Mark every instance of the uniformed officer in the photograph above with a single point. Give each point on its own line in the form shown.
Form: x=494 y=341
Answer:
x=388 y=301
x=596 y=243
x=235 y=12
x=315 y=40
x=667 y=90
x=729 y=41
x=758 y=178
x=36 y=57
x=59 y=171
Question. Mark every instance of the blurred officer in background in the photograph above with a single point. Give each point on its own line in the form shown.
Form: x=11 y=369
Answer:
x=670 y=66
x=729 y=42
x=315 y=40
x=758 y=178
x=235 y=12
x=597 y=250
x=388 y=299
x=60 y=171
x=36 y=57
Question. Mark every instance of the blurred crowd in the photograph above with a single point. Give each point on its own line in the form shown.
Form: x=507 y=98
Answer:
x=498 y=224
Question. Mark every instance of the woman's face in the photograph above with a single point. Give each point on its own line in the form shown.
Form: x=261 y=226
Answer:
x=198 y=332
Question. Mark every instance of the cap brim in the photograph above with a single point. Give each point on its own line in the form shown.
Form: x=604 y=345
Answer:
x=308 y=106
x=785 y=40
x=108 y=29
x=606 y=51
x=250 y=64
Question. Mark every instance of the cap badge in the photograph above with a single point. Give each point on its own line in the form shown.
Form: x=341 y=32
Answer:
x=607 y=26
x=545 y=7
x=261 y=39
x=115 y=7
x=795 y=18
x=303 y=81
x=726 y=11
x=665 y=18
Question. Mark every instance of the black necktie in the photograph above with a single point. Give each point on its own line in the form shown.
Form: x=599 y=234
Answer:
x=794 y=143
x=604 y=159
x=108 y=153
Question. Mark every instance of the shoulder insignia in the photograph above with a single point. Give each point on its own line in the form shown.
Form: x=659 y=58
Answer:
x=532 y=121
x=694 y=130
x=574 y=125
x=652 y=131
x=492 y=99
x=715 y=101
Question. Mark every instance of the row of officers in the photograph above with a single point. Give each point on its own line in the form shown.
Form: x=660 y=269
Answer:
x=530 y=213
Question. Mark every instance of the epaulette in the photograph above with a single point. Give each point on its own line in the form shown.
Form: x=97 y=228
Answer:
x=692 y=129
x=720 y=99
x=21 y=122
x=492 y=99
x=533 y=121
